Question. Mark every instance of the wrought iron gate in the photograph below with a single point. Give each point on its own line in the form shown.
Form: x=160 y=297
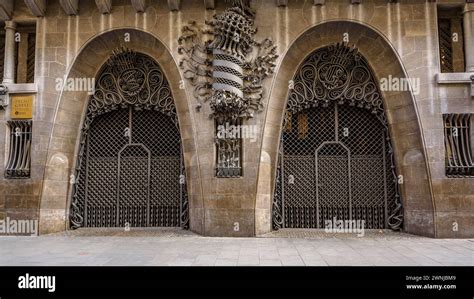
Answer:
x=336 y=159
x=130 y=169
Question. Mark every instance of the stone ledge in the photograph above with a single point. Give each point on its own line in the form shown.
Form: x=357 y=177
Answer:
x=22 y=88
x=453 y=78
x=448 y=78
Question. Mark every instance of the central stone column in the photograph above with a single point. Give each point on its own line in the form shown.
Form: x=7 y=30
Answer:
x=9 y=66
x=226 y=65
x=231 y=210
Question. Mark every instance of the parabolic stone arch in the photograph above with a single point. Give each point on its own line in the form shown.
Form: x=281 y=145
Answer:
x=70 y=113
x=400 y=110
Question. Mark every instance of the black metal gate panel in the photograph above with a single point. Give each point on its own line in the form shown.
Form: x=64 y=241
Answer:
x=338 y=171
x=336 y=159
x=133 y=194
x=333 y=182
x=133 y=178
x=130 y=170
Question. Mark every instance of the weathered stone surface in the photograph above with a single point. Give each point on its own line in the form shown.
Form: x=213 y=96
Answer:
x=397 y=40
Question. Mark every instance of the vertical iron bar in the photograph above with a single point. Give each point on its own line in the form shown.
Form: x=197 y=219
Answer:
x=17 y=148
x=451 y=142
x=336 y=122
x=316 y=174
x=28 y=148
x=181 y=224
x=117 y=220
x=385 y=175
x=10 y=147
x=21 y=159
x=86 y=181
x=148 y=190
x=350 y=183
x=282 y=177
x=130 y=118
x=466 y=134
x=458 y=142
x=447 y=143
x=465 y=143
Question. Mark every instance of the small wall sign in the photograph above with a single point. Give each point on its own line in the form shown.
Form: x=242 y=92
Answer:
x=22 y=106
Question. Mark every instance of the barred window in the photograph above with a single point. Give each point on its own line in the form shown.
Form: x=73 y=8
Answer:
x=458 y=145
x=229 y=148
x=19 y=154
x=451 y=39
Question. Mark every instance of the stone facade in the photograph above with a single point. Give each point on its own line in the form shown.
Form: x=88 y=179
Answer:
x=398 y=39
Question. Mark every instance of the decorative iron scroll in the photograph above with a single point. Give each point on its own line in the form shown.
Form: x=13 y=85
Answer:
x=336 y=75
x=129 y=78
x=131 y=86
x=227 y=66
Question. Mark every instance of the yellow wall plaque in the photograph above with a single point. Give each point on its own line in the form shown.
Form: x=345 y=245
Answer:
x=22 y=106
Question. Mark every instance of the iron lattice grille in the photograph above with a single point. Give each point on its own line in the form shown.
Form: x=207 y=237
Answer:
x=336 y=159
x=457 y=141
x=31 y=57
x=341 y=176
x=2 y=54
x=130 y=170
x=19 y=153
x=445 y=45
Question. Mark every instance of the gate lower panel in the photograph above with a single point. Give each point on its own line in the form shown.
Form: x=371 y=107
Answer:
x=334 y=166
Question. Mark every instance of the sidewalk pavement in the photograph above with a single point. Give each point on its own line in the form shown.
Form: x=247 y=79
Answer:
x=171 y=247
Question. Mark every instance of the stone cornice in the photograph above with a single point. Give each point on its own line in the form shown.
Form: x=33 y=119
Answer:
x=37 y=7
x=70 y=7
x=6 y=9
x=174 y=4
x=210 y=4
x=139 y=5
x=104 y=6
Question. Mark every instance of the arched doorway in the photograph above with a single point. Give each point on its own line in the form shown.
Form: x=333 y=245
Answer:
x=336 y=159
x=130 y=169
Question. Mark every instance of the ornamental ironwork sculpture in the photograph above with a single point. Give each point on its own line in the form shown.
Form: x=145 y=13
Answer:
x=227 y=66
x=319 y=162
